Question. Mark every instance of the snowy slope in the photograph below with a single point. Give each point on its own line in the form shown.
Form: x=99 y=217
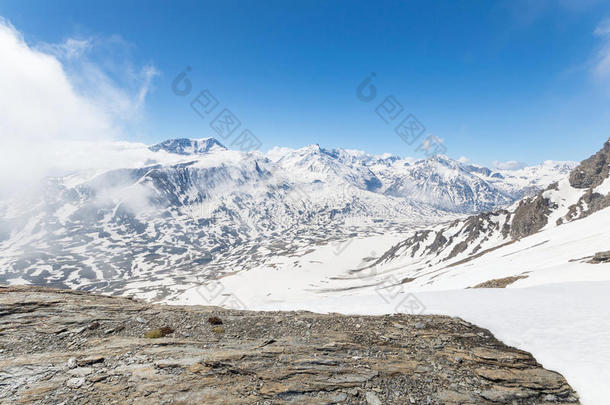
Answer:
x=188 y=210
x=559 y=254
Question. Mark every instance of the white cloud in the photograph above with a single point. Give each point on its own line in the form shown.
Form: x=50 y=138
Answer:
x=101 y=70
x=603 y=28
x=463 y=159
x=277 y=152
x=508 y=165
x=602 y=61
x=55 y=101
x=71 y=48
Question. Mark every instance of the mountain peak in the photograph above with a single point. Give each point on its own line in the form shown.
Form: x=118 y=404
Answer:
x=185 y=146
x=443 y=160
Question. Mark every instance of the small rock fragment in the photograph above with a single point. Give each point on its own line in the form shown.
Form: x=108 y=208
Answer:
x=89 y=361
x=72 y=363
x=75 y=382
x=372 y=398
x=214 y=320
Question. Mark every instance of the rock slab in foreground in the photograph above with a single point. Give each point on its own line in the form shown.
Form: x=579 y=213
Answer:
x=60 y=346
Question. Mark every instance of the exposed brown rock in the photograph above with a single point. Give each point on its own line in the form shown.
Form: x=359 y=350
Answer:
x=261 y=358
x=214 y=320
x=499 y=282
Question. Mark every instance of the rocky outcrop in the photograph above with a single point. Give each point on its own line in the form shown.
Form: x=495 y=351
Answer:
x=476 y=228
x=499 y=282
x=588 y=204
x=62 y=346
x=530 y=216
x=593 y=171
x=601 y=257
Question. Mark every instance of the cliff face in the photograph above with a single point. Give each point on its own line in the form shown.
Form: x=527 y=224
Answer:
x=530 y=216
x=72 y=347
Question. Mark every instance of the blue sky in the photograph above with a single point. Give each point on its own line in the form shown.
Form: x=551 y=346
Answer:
x=495 y=80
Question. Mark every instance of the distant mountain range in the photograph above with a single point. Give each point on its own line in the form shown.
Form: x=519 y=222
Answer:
x=197 y=210
x=585 y=191
x=561 y=233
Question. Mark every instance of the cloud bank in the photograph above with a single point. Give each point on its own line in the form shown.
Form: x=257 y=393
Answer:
x=508 y=165
x=60 y=111
x=602 y=61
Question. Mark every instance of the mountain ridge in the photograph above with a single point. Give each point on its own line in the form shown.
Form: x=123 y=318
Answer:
x=186 y=146
x=208 y=211
x=584 y=191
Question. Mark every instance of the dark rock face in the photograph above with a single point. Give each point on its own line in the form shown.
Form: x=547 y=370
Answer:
x=530 y=216
x=601 y=257
x=593 y=171
x=75 y=347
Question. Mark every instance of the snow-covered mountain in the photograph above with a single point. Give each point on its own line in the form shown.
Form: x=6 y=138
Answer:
x=526 y=181
x=560 y=233
x=196 y=210
x=439 y=181
x=446 y=184
x=185 y=146
x=582 y=193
